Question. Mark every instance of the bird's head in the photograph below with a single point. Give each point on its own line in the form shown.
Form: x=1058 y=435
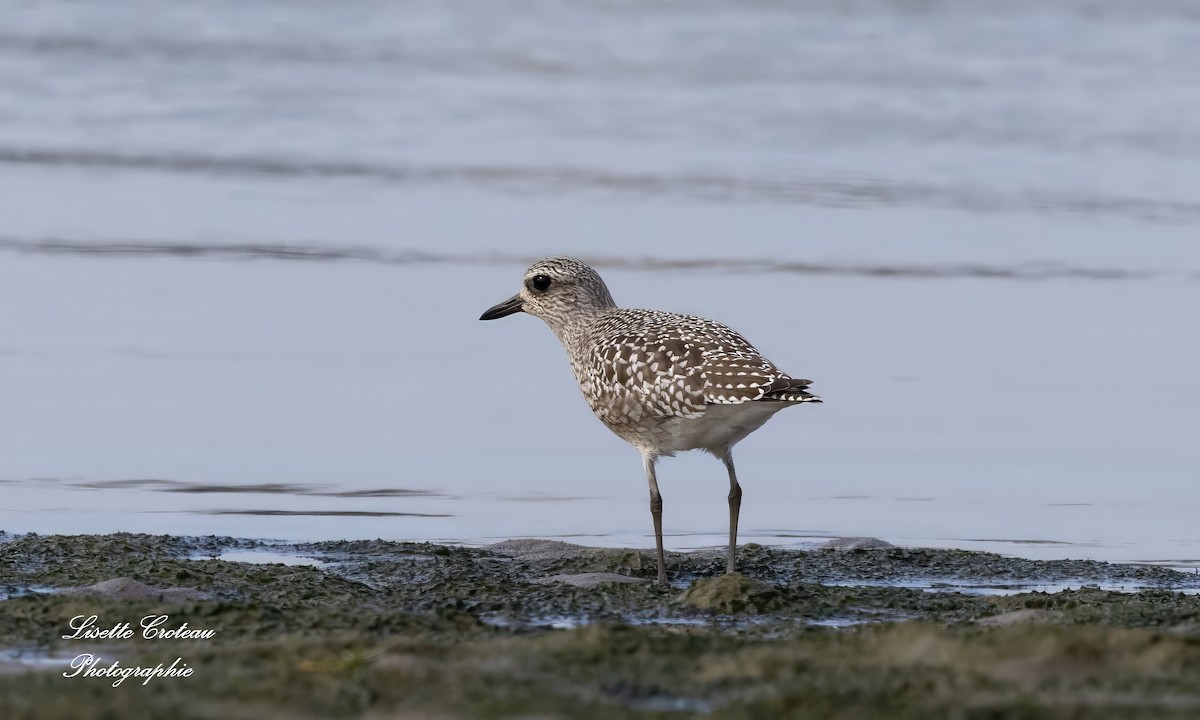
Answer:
x=558 y=290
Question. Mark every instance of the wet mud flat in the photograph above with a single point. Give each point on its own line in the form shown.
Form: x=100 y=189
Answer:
x=530 y=628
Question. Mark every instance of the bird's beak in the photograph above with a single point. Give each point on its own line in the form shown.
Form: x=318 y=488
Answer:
x=508 y=307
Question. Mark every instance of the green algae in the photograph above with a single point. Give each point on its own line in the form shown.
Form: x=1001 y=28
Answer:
x=418 y=630
x=732 y=594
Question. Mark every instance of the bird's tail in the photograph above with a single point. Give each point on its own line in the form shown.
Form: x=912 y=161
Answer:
x=795 y=391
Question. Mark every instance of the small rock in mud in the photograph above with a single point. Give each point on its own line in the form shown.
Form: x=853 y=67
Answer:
x=556 y=557
x=855 y=543
x=588 y=580
x=533 y=549
x=731 y=594
x=1014 y=617
x=124 y=588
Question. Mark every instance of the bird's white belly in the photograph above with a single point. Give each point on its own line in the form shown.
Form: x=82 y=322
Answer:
x=718 y=427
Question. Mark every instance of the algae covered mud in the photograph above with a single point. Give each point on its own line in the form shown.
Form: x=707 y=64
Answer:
x=530 y=628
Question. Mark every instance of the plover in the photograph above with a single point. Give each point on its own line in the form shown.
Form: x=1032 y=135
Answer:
x=663 y=382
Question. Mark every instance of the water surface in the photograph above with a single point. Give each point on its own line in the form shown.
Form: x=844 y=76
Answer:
x=243 y=249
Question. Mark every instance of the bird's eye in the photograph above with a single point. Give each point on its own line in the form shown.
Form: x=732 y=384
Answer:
x=541 y=282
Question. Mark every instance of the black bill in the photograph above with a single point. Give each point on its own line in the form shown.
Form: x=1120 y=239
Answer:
x=508 y=307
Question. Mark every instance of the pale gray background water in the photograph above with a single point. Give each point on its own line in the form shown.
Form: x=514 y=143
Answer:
x=973 y=225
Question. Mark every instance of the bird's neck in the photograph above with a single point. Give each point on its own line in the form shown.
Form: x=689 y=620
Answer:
x=573 y=331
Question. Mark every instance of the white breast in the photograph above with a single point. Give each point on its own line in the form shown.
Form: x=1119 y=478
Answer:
x=718 y=427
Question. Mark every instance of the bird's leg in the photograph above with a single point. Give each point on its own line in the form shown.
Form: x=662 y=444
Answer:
x=656 y=513
x=735 y=507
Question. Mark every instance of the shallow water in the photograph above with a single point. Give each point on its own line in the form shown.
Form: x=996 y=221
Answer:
x=13 y=591
x=261 y=557
x=33 y=658
x=243 y=247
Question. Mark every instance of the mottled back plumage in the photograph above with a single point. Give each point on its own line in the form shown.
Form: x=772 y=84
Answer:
x=673 y=366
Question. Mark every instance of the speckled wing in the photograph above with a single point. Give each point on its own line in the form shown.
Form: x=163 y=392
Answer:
x=735 y=372
x=738 y=377
x=651 y=372
x=680 y=366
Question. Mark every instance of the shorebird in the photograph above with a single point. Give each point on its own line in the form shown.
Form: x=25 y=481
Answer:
x=663 y=382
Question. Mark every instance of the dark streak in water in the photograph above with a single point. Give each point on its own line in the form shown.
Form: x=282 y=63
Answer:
x=269 y=488
x=174 y=49
x=318 y=253
x=542 y=498
x=1019 y=542
x=177 y=486
x=382 y=492
x=530 y=179
x=128 y=484
x=321 y=513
